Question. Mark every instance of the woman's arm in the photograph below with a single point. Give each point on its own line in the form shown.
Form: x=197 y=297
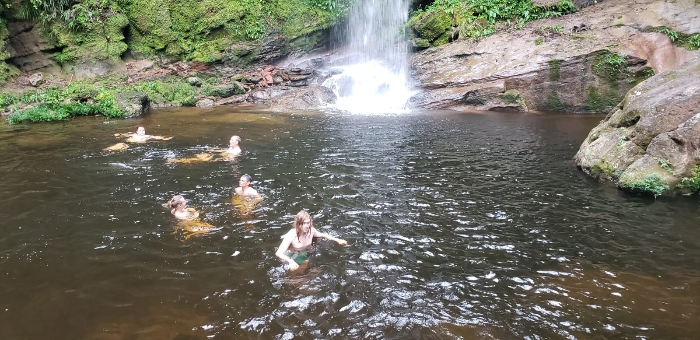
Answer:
x=284 y=246
x=329 y=237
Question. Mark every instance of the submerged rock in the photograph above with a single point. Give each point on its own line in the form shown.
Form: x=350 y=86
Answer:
x=651 y=141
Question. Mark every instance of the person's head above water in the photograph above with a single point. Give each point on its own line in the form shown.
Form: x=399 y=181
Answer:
x=245 y=180
x=234 y=141
x=303 y=223
x=141 y=131
x=178 y=202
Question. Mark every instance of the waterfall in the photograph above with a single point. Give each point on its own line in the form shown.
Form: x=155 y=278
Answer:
x=373 y=76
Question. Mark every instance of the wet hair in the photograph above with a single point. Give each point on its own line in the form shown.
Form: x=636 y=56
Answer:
x=176 y=202
x=238 y=139
x=247 y=178
x=299 y=220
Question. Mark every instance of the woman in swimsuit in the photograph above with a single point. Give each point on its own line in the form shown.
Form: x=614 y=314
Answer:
x=297 y=241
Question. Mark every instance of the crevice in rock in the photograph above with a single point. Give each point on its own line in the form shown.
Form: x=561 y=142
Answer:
x=629 y=122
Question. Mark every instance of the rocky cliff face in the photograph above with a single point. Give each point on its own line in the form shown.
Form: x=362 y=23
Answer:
x=584 y=62
x=651 y=141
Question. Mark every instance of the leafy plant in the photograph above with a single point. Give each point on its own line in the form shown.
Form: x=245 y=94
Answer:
x=610 y=65
x=693 y=42
x=673 y=35
x=664 y=164
x=650 y=184
x=691 y=183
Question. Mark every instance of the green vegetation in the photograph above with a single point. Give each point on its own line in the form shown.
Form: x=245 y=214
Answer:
x=554 y=69
x=691 y=183
x=687 y=41
x=547 y=30
x=85 y=30
x=85 y=98
x=597 y=102
x=610 y=65
x=651 y=184
x=604 y=168
x=513 y=97
x=665 y=165
x=472 y=19
x=553 y=103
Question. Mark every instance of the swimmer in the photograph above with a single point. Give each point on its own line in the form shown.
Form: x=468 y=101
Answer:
x=140 y=136
x=189 y=223
x=225 y=154
x=245 y=190
x=245 y=197
x=178 y=207
x=201 y=157
x=233 y=148
x=232 y=151
x=296 y=242
x=116 y=147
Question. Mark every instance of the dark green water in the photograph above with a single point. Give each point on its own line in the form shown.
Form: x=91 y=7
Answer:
x=460 y=226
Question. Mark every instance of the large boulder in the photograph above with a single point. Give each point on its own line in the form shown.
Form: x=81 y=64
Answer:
x=651 y=141
x=133 y=103
x=584 y=62
x=290 y=98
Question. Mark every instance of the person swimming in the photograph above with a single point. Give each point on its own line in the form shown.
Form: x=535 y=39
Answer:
x=189 y=223
x=225 y=154
x=233 y=147
x=139 y=137
x=296 y=242
x=178 y=207
x=245 y=197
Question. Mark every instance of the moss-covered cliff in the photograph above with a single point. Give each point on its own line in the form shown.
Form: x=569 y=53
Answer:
x=88 y=30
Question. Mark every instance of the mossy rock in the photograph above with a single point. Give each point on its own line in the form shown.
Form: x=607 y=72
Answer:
x=223 y=91
x=513 y=97
x=443 y=39
x=433 y=25
x=597 y=102
x=133 y=103
x=419 y=43
x=553 y=102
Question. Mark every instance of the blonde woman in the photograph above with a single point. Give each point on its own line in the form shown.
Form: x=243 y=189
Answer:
x=189 y=223
x=295 y=244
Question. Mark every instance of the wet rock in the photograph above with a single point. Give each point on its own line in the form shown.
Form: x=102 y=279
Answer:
x=652 y=139
x=237 y=99
x=285 y=98
x=134 y=103
x=223 y=91
x=563 y=72
x=205 y=102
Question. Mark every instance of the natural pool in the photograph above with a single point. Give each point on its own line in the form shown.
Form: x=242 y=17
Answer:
x=461 y=225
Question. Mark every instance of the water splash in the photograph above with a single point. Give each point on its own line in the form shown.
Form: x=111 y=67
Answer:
x=373 y=78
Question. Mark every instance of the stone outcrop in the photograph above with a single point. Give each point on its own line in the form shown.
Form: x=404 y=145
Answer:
x=584 y=62
x=28 y=48
x=134 y=103
x=651 y=141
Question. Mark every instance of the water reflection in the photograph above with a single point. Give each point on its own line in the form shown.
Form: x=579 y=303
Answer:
x=460 y=226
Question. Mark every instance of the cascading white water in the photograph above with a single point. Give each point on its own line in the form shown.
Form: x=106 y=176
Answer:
x=375 y=77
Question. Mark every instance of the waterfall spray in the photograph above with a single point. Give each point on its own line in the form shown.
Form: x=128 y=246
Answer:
x=374 y=78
